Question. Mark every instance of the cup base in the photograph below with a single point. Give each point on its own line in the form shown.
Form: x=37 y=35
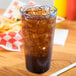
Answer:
x=38 y=72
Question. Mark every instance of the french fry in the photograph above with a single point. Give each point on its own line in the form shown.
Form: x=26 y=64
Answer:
x=17 y=23
x=8 y=20
x=7 y=25
x=17 y=28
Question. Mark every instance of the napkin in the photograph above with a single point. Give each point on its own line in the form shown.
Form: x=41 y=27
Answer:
x=60 y=36
x=9 y=13
x=13 y=40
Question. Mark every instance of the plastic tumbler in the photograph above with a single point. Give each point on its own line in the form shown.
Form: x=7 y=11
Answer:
x=38 y=25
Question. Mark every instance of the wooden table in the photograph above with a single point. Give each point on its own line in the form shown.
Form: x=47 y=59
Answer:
x=13 y=63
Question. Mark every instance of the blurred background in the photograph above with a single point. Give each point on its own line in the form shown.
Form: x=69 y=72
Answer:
x=65 y=8
x=4 y=3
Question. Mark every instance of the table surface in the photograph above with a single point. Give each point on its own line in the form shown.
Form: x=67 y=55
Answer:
x=13 y=63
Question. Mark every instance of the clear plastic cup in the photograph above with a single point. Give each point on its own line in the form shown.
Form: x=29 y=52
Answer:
x=38 y=25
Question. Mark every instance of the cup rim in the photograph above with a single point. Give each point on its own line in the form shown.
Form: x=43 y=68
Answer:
x=38 y=6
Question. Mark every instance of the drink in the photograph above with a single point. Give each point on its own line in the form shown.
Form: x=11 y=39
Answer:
x=38 y=24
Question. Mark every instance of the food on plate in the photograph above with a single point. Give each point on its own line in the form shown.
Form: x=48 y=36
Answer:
x=7 y=25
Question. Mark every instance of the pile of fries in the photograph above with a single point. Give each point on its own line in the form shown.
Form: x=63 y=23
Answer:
x=9 y=25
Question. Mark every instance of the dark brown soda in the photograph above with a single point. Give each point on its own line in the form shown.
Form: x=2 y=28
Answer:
x=38 y=64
